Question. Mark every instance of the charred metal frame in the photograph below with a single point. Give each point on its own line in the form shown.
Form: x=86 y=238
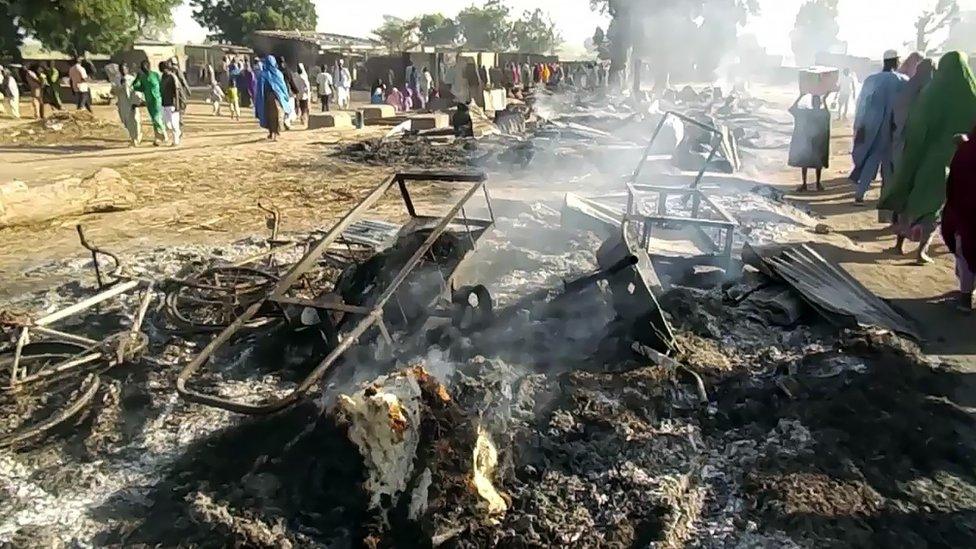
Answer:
x=94 y=351
x=689 y=120
x=705 y=213
x=372 y=316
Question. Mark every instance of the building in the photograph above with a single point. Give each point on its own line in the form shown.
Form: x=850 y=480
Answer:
x=154 y=51
x=318 y=48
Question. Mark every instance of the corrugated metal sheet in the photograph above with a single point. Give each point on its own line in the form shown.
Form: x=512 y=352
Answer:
x=827 y=287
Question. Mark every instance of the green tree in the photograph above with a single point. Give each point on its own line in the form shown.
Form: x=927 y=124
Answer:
x=10 y=35
x=815 y=30
x=397 y=34
x=233 y=21
x=487 y=27
x=940 y=17
x=535 y=33
x=671 y=35
x=437 y=30
x=601 y=43
x=96 y=26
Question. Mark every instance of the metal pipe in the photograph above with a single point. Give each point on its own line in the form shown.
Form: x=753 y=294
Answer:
x=90 y=302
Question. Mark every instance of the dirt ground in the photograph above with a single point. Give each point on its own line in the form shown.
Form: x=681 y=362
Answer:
x=922 y=292
x=204 y=191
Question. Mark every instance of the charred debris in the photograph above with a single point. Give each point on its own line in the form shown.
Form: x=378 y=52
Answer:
x=395 y=401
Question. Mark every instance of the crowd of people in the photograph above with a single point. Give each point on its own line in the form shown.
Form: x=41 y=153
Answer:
x=913 y=126
x=43 y=82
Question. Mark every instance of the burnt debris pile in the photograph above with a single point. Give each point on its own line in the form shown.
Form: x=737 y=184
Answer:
x=625 y=369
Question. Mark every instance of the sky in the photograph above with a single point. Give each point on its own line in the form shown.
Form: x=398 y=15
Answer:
x=869 y=26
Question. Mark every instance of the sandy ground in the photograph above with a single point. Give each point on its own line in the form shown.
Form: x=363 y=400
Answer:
x=207 y=190
x=204 y=191
x=922 y=292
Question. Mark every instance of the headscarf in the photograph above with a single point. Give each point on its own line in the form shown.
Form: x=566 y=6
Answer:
x=957 y=217
x=395 y=99
x=910 y=64
x=946 y=107
x=258 y=69
x=271 y=77
x=903 y=104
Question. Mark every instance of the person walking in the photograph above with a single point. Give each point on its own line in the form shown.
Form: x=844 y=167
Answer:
x=958 y=219
x=180 y=75
x=413 y=88
x=79 y=79
x=426 y=85
x=233 y=97
x=922 y=75
x=11 y=92
x=31 y=76
x=810 y=145
x=323 y=84
x=149 y=84
x=946 y=108
x=303 y=94
x=216 y=97
x=174 y=102
x=244 y=84
x=257 y=69
x=874 y=127
x=292 y=88
x=52 y=85
x=847 y=92
x=343 y=81
x=128 y=104
x=272 y=101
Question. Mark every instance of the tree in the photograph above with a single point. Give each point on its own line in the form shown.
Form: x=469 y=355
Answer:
x=601 y=44
x=941 y=17
x=397 y=34
x=96 y=26
x=486 y=28
x=815 y=30
x=535 y=33
x=11 y=37
x=233 y=21
x=673 y=36
x=436 y=30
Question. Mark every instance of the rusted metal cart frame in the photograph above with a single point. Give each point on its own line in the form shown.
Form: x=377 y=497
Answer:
x=373 y=316
x=701 y=204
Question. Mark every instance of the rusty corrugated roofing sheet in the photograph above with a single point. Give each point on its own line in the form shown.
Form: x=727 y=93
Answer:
x=827 y=287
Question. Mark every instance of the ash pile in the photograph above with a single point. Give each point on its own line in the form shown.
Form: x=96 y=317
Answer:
x=525 y=373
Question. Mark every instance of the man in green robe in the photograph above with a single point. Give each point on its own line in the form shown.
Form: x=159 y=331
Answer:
x=148 y=83
x=945 y=108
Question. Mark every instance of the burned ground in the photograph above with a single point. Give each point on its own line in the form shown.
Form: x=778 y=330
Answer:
x=807 y=435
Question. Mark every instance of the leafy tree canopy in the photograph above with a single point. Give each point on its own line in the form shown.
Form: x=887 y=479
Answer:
x=96 y=26
x=397 y=34
x=535 y=33
x=233 y=21
x=816 y=30
x=10 y=35
x=437 y=30
x=487 y=27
